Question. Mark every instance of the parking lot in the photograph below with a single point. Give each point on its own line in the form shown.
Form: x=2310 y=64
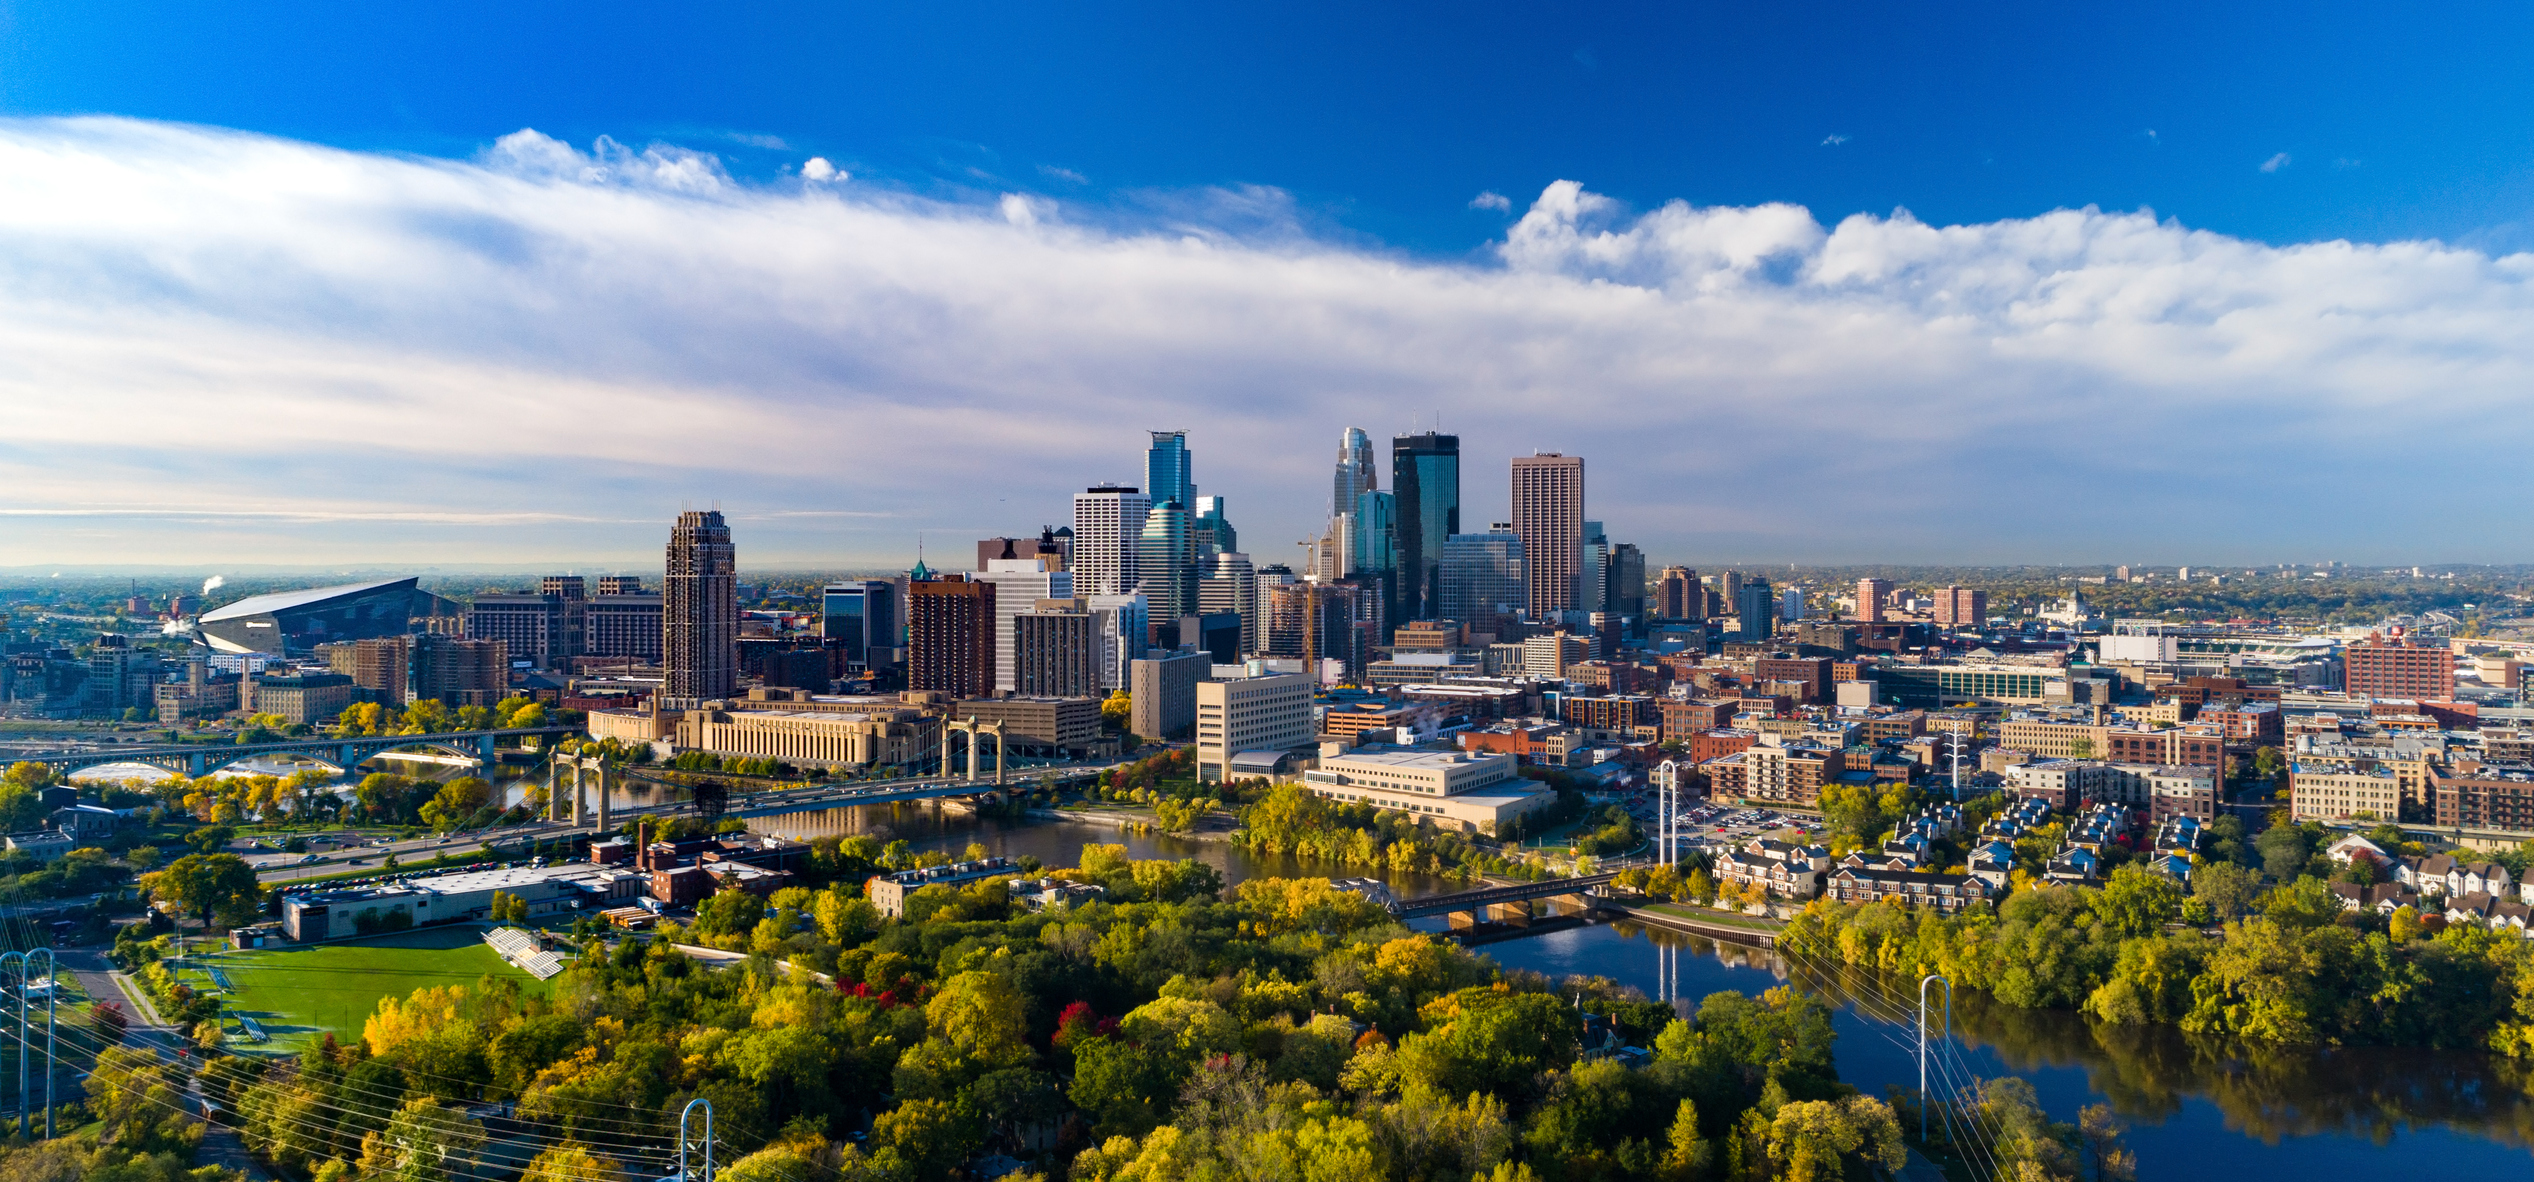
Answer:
x=1720 y=826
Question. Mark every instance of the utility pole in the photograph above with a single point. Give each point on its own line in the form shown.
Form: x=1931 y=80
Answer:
x=704 y=1147
x=1924 y=1100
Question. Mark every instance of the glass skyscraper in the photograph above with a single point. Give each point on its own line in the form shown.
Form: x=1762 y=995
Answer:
x=858 y=617
x=1425 y=477
x=1170 y=476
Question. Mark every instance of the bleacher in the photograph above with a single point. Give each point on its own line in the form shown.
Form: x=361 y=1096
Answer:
x=254 y=1029
x=221 y=979
x=522 y=949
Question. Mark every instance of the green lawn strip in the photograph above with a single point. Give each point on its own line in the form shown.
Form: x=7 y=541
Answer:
x=299 y=993
x=1704 y=915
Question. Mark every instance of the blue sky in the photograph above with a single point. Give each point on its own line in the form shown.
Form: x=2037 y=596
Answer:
x=2396 y=121
x=401 y=284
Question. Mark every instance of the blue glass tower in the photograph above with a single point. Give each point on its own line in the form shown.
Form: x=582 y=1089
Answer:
x=1169 y=476
x=1425 y=477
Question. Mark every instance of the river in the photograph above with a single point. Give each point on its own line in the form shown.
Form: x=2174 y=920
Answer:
x=2195 y=1110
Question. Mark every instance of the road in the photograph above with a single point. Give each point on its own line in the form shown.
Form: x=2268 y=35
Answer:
x=284 y=867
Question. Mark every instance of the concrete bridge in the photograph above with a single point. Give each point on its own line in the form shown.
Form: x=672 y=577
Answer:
x=1499 y=904
x=341 y=754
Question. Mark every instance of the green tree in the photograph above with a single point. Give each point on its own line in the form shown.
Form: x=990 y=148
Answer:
x=2227 y=888
x=210 y=885
x=983 y=1016
x=2136 y=901
x=426 y=1142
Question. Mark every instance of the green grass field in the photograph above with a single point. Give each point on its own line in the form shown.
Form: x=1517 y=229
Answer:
x=298 y=994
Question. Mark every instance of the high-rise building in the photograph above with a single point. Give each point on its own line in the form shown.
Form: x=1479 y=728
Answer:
x=460 y=672
x=1122 y=624
x=1170 y=473
x=1231 y=586
x=1425 y=476
x=1482 y=579
x=624 y=624
x=1108 y=529
x=1055 y=650
x=1959 y=606
x=1790 y=604
x=120 y=678
x=1627 y=581
x=382 y=665
x=571 y=592
x=533 y=626
x=1548 y=515
x=1871 y=595
x=1756 y=610
x=1165 y=561
x=2398 y=667
x=859 y=616
x=1164 y=694
x=1018 y=585
x=1210 y=531
x=1355 y=472
x=1592 y=571
x=950 y=636
x=1678 y=595
x=699 y=628
x=620 y=584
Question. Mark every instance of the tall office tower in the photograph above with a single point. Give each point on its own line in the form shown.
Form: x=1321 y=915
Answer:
x=1425 y=476
x=1210 y=530
x=530 y=626
x=1592 y=571
x=1757 y=610
x=1170 y=476
x=1231 y=586
x=1678 y=595
x=570 y=593
x=950 y=636
x=1334 y=558
x=1374 y=549
x=1957 y=606
x=1055 y=650
x=1548 y=515
x=1355 y=473
x=1627 y=581
x=620 y=584
x=1729 y=586
x=1165 y=562
x=1870 y=596
x=1018 y=583
x=699 y=613
x=859 y=616
x=1123 y=624
x=1482 y=579
x=1108 y=528
x=1790 y=604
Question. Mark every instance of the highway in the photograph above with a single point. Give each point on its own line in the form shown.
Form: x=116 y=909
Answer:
x=274 y=868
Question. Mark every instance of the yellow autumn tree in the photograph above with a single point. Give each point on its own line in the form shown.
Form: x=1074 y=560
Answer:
x=396 y=1023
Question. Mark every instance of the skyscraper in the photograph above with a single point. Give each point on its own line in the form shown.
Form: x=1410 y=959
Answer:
x=1108 y=528
x=1756 y=610
x=1548 y=515
x=1019 y=583
x=1678 y=595
x=1355 y=473
x=1425 y=477
x=1210 y=530
x=1592 y=571
x=1231 y=586
x=1870 y=596
x=1627 y=581
x=949 y=636
x=1165 y=562
x=1482 y=578
x=1170 y=474
x=699 y=618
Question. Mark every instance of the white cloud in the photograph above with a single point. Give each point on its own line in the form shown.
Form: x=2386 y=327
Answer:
x=818 y=170
x=226 y=348
x=2275 y=163
x=1832 y=141
x=1491 y=199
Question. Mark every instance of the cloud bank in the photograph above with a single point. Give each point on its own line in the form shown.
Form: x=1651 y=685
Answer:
x=224 y=347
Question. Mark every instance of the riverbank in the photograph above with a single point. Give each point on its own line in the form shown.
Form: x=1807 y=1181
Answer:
x=1715 y=925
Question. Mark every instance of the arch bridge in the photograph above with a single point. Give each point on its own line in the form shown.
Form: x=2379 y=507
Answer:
x=341 y=754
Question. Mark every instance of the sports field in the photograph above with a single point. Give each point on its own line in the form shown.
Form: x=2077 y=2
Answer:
x=297 y=994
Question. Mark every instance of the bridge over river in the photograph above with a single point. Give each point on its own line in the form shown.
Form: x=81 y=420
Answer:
x=340 y=753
